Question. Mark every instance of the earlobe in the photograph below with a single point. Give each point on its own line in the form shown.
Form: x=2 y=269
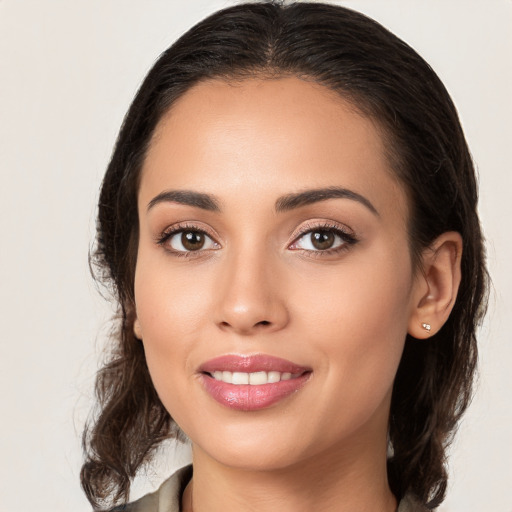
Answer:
x=436 y=286
x=136 y=329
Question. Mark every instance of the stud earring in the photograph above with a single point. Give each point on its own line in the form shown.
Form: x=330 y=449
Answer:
x=427 y=327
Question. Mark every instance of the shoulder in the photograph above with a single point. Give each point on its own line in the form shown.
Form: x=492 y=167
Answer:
x=166 y=499
x=410 y=504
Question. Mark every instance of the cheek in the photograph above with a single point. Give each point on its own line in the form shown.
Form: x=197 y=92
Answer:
x=358 y=321
x=171 y=296
x=172 y=310
x=168 y=306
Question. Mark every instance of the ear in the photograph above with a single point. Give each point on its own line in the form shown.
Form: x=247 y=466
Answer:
x=136 y=329
x=436 y=286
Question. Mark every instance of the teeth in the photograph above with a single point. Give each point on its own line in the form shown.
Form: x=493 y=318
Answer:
x=273 y=377
x=240 y=378
x=258 y=378
x=254 y=379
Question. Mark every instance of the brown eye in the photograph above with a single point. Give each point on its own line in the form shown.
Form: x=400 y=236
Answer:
x=189 y=241
x=322 y=240
x=192 y=240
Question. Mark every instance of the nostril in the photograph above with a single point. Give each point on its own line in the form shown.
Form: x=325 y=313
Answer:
x=246 y=328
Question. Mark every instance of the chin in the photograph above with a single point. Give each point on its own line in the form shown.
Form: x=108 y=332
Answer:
x=254 y=457
x=250 y=445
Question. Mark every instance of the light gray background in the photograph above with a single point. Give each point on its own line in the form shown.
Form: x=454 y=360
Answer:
x=68 y=70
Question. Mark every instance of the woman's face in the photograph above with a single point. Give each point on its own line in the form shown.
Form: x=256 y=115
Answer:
x=272 y=242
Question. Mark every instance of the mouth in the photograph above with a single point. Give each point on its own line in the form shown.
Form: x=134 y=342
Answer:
x=250 y=383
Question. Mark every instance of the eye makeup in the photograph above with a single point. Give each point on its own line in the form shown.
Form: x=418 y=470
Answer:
x=315 y=239
x=326 y=238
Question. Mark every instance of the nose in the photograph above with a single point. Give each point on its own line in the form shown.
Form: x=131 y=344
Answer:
x=251 y=296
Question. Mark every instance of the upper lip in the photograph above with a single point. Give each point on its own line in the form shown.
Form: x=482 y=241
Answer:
x=251 y=364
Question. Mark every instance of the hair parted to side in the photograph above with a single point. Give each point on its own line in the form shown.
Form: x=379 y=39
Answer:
x=387 y=81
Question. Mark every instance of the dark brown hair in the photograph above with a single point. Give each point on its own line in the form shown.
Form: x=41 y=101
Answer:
x=390 y=83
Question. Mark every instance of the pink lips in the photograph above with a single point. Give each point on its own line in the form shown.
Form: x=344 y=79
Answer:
x=247 y=397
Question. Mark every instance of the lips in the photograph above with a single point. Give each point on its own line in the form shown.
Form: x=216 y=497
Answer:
x=250 y=383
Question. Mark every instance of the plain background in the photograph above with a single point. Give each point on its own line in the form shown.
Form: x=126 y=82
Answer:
x=68 y=70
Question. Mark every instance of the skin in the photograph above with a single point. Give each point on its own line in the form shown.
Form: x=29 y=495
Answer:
x=259 y=287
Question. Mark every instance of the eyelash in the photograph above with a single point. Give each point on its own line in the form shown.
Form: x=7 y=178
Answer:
x=348 y=239
x=166 y=235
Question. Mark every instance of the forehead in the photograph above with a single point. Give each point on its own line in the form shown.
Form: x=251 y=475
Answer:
x=261 y=136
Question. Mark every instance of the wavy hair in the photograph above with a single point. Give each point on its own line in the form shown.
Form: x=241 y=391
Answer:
x=387 y=81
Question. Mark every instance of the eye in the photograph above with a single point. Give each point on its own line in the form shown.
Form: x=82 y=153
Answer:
x=188 y=240
x=323 y=239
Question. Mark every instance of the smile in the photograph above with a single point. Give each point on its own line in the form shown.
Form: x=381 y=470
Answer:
x=266 y=380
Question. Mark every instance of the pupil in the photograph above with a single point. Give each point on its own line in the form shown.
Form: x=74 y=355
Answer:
x=322 y=239
x=192 y=240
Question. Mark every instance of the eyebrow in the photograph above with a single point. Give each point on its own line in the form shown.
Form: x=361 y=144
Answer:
x=186 y=197
x=292 y=201
x=284 y=203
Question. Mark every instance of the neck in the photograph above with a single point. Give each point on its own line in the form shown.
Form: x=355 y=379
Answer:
x=345 y=479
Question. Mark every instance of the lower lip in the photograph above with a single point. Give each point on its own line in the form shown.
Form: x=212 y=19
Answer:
x=244 y=397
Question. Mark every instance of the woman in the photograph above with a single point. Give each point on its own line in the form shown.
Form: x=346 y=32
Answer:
x=289 y=222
